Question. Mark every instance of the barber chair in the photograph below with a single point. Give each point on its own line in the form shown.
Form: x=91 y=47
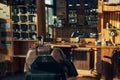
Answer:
x=45 y=67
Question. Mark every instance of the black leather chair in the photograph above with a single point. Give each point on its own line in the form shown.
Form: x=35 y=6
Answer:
x=46 y=68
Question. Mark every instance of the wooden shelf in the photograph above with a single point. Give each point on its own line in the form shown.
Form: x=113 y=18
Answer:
x=111 y=8
x=25 y=40
x=24 y=23
x=26 y=14
x=115 y=3
x=28 y=5
x=113 y=29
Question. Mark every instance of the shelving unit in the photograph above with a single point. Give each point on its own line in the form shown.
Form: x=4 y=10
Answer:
x=109 y=19
x=21 y=22
x=24 y=23
x=27 y=24
x=111 y=16
x=82 y=12
x=79 y=15
x=27 y=20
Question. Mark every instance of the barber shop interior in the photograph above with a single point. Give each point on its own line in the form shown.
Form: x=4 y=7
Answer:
x=59 y=39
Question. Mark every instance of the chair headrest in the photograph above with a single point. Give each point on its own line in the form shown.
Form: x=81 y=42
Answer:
x=44 y=50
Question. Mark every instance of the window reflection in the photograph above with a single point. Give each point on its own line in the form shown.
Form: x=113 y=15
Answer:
x=49 y=9
x=49 y=2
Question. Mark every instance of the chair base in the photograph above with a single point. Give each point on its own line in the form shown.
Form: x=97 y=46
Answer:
x=44 y=76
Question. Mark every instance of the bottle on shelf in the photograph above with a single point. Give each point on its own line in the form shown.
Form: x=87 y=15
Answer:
x=107 y=25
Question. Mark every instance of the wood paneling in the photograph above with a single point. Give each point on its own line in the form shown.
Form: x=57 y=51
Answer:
x=83 y=59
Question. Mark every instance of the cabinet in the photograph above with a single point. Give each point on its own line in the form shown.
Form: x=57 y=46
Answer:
x=24 y=25
x=28 y=20
x=24 y=20
x=82 y=12
x=109 y=19
x=79 y=15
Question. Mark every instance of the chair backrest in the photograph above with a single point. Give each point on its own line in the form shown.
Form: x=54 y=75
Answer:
x=46 y=64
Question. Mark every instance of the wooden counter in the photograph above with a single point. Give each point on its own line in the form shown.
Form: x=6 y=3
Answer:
x=64 y=45
x=77 y=45
x=102 y=47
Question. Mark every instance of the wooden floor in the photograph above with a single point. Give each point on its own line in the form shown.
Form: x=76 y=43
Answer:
x=82 y=75
x=21 y=76
x=17 y=76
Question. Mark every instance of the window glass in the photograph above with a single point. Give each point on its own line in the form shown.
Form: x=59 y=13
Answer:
x=49 y=9
x=49 y=14
x=49 y=2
